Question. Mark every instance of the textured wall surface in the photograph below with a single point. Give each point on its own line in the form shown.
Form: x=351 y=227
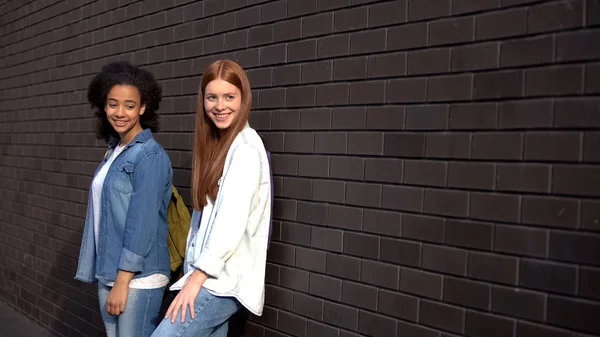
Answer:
x=437 y=162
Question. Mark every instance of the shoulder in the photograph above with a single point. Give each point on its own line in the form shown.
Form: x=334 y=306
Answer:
x=151 y=149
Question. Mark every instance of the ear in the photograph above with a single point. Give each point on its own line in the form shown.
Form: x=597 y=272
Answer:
x=142 y=109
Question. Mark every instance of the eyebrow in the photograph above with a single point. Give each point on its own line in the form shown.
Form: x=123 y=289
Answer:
x=227 y=93
x=126 y=101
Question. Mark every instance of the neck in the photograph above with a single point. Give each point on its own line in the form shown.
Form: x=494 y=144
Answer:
x=128 y=136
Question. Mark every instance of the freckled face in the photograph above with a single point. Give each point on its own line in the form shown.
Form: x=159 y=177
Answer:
x=222 y=101
x=123 y=110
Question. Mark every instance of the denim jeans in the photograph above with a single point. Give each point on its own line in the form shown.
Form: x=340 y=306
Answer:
x=140 y=316
x=212 y=318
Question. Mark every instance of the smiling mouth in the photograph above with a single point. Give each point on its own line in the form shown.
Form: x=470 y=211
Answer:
x=120 y=123
x=221 y=116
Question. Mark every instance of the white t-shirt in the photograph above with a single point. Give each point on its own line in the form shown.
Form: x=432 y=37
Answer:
x=149 y=282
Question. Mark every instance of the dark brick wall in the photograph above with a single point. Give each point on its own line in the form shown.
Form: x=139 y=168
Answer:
x=437 y=162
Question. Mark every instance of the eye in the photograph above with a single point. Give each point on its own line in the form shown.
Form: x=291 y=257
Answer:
x=131 y=107
x=210 y=98
x=231 y=97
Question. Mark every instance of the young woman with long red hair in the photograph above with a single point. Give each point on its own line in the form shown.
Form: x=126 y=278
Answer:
x=229 y=232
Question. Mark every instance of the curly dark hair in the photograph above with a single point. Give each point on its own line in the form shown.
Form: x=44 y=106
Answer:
x=124 y=73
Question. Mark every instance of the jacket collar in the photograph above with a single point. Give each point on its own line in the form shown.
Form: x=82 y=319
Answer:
x=141 y=137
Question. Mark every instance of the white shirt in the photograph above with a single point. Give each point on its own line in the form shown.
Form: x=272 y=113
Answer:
x=231 y=243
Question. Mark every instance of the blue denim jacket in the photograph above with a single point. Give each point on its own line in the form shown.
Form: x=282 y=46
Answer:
x=133 y=217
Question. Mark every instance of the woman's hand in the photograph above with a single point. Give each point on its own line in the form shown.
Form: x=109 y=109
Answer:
x=117 y=298
x=186 y=297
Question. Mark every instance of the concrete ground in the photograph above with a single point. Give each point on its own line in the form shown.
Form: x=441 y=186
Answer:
x=15 y=324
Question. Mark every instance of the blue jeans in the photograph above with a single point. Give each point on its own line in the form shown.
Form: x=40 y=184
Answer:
x=140 y=316
x=212 y=318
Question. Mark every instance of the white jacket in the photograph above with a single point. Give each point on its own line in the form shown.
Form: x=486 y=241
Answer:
x=231 y=246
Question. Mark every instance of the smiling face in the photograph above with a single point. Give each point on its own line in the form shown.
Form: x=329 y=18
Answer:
x=222 y=101
x=123 y=111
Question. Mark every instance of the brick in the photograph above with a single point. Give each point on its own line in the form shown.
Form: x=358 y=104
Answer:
x=503 y=84
x=273 y=11
x=361 y=245
x=398 y=305
x=403 y=144
x=317 y=25
x=294 y=279
x=429 y=61
x=260 y=35
x=286 y=75
x=367 y=92
x=494 y=207
x=350 y=19
x=448 y=145
x=553 y=146
x=469 y=234
x=248 y=17
x=574 y=314
x=400 y=252
x=442 y=316
x=350 y=68
x=326 y=287
x=475 y=57
x=487 y=26
x=428 y=173
x=331 y=46
x=421 y=283
x=389 y=13
x=291 y=324
x=560 y=80
x=467 y=293
x=339 y=315
x=547 y=276
x=359 y=295
x=334 y=142
x=312 y=213
x=310 y=259
x=301 y=7
x=421 y=10
x=376 y=325
x=385 y=118
x=347 y=168
x=360 y=194
x=539 y=50
x=423 y=228
x=317 y=329
x=330 y=191
x=382 y=222
x=590 y=215
x=273 y=54
x=550 y=211
x=556 y=16
x=407 y=36
x=472 y=116
x=406 y=90
x=574 y=247
x=402 y=198
x=428 y=117
x=526 y=114
x=518 y=303
x=454 y=30
x=382 y=65
x=333 y=94
x=574 y=46
x=471 y=175
x=493 y=268
x=444 y=259
x=349 y=118
x=284 y=164
x=308 y=306
x=288 y=30
x=498 y=145
x=592 y=85
x=520 y=240
x=576 y=113
x=299 y=142
x=480 y=324
x=300 y=96
x=526 y=329
x=446 y=202
x=332 y=4
x=588 y=278
x=327 y=239
x=523 y=177
x=580 y=180
x=343 y=266
x=468 y=6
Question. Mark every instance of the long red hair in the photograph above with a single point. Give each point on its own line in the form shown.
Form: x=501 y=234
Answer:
x=210 y=143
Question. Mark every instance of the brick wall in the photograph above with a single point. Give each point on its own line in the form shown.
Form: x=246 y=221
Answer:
x=437 y=162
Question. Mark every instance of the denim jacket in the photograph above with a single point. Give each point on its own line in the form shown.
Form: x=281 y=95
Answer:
x=231 y=248
x=133 y=217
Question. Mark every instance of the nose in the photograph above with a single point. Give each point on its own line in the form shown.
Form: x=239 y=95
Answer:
x=120 y=111
x=220 y=105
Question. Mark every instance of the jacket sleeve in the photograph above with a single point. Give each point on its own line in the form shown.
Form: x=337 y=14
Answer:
x=151 y=176
x=239 y=186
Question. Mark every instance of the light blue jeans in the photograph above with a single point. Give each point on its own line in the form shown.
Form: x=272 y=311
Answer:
x=212 y=318
x=140 y=316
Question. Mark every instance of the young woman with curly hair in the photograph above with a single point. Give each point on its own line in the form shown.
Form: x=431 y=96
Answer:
x=229 y=231
x=124 y=244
